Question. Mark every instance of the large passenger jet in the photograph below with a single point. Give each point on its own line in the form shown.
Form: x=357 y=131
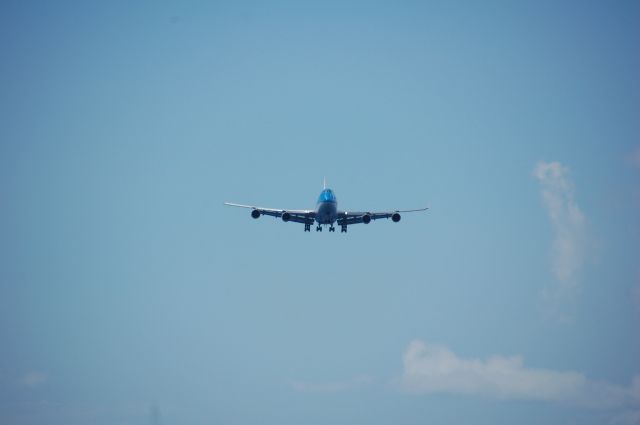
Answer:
x=326 y=212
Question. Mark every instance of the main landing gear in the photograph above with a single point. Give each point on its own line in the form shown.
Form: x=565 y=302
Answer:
x=343 y=228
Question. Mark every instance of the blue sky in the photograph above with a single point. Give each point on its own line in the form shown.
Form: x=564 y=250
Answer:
x=128 y=292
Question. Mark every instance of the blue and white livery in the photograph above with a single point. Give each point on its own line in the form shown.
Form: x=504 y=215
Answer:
x=325 y=213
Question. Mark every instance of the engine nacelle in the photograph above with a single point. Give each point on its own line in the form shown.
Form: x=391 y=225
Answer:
x=286 y=216
x=366 y=219
x=255 y=213
x=395 y=217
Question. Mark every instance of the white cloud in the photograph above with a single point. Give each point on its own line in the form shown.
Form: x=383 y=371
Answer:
x=33 y=379
x=568 y=221
x=436 y=369
x=332 y=387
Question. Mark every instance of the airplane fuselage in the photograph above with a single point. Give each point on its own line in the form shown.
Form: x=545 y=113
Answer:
x=327 y=207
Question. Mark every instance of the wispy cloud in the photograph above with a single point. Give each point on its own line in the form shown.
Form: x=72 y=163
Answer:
x=332 y=387
x=567 y=219
x=33 y=379
x=436 y=369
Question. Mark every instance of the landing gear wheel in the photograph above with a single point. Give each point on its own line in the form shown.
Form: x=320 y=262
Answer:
x=332 y=229
x=343 y=229
x=319 y=228
x=307 y=227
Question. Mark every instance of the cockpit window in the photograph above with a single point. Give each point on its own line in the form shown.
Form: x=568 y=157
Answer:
x=327 y=195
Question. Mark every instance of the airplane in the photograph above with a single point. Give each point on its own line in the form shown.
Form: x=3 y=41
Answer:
x=325 y=213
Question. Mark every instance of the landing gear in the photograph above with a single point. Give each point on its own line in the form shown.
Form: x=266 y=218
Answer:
x=319 y=228
x=332 y=229
x=343 y=228
x=307 y=227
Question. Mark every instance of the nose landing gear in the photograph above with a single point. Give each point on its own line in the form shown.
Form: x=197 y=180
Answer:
x=343 y=228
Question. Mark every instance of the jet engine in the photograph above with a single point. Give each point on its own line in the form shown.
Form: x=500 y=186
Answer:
x=366 y=219
x=255 y=213
x=286 y=216
x=395 y=217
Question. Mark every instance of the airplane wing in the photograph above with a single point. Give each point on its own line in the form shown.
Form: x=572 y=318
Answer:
x=297 y=216
x=346 y=218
